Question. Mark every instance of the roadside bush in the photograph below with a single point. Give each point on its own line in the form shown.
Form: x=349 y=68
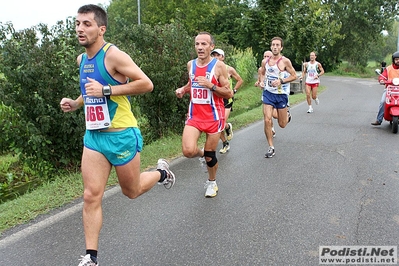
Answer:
x=37 y=74
x=245 y=64
x=162 y=52
x=8 y=120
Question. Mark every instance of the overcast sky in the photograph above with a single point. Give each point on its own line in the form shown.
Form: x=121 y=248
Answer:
x=27 y=13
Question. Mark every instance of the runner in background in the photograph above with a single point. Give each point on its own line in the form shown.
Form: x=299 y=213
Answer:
x=313 y=71
x=228 y=103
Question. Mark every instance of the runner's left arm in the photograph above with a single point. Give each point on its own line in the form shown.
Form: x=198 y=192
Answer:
x=237 y=77
x=290 y=69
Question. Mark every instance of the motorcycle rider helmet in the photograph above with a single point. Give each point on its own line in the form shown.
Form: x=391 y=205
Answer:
x=395 y=55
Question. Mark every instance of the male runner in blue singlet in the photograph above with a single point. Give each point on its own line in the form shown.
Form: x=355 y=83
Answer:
x=112 y=137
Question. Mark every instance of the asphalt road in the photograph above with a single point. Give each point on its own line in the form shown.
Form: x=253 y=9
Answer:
x=333 y=181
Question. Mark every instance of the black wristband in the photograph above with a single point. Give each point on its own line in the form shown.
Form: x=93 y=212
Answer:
x=281 y=81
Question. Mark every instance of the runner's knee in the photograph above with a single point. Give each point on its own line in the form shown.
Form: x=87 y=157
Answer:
x=190 y=151
x=212 y=155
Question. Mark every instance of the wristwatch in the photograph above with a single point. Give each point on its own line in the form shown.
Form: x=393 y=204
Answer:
x=213 y=88
x=107 y=90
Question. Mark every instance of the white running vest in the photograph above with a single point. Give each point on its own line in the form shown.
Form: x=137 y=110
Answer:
x=311 y=72
x=273 y=73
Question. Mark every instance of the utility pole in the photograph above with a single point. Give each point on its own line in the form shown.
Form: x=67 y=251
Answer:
x=138 y=11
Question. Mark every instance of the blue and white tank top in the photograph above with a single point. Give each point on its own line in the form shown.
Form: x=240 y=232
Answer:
x=273 y=73
x=117 y=108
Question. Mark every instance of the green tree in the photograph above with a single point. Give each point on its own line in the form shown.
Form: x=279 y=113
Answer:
x=362 y=22
x=388 y=45
x=227 y=21
x=308 y=31
x=194 y=15
x=263 y=21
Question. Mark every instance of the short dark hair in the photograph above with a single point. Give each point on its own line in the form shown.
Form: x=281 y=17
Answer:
x=100 y=16
x=280 y=39
x=210 y=35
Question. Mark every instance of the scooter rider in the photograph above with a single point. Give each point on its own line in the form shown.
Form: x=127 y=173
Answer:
x=389 y=73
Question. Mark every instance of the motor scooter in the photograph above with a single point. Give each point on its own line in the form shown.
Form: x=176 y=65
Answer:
x=391 y=107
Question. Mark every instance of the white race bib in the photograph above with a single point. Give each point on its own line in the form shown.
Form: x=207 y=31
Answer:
x=96 y=113
x=200 y=95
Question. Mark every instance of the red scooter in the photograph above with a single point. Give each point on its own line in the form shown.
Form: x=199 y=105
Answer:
x=391 y=108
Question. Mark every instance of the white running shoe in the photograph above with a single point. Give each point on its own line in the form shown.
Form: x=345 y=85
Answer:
x=270 y=152
x=211 y=189
x=229 y=132
x=317 y=101
x=170 y=176
x=274 y=132
x=86 y=261
x=310 y=110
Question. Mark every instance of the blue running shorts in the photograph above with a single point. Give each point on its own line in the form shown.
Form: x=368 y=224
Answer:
x=118 y=147
x=278 y=101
